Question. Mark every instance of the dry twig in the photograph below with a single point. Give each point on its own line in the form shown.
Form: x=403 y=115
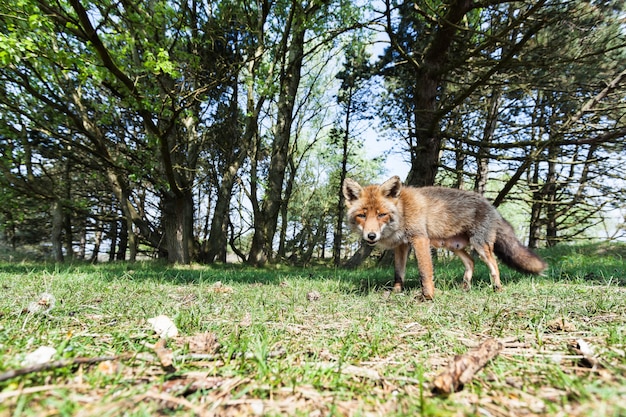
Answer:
x=64 y=363
x=165 y=355
x=463 y=367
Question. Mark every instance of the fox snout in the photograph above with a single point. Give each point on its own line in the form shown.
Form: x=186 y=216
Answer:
x=371 y=237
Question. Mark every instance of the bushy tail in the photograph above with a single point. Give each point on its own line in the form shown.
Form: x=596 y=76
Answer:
x=514 y=254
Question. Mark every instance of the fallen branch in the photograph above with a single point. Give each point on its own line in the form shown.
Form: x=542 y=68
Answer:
x=463 y=367
x=165 y=355
x=64 y=363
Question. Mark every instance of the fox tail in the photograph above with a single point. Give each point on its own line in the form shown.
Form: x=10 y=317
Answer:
x=514 y=254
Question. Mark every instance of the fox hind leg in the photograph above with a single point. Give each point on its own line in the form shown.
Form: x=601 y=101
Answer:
x=457 y=245
x=485 y=251
x=468 y=262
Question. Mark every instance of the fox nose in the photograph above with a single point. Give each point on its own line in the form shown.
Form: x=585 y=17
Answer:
x=371 y=236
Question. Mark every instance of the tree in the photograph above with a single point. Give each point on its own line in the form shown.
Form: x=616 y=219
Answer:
x=231 y=144
x=130 y=83
x=435 y=46
x=442 y=63
x=266 y=213
x=353 y=99
x=187 y=127
x=304 y=28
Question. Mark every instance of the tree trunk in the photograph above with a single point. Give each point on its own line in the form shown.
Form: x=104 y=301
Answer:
x=67 y=217
x=482 y=160
x=459 y=159
x=359 y=256
x=122 y=246
x=113 y=234
x=122 y=194
x=68 y=236
x=428 y=79
x=9 y=230
x=253 y=109
x=550 y=197
x=82 y=248
x=425 y=163
x=312 y=240
x=284 y=208
x=341 y=203
x=218 y=237
x=266 y=220
x=177 y=220
x=132 y=241
x=536 y=208
x=97 y=241
x=57 y=231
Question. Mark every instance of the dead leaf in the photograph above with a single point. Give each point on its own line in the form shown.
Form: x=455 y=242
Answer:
x=199 y=343
x=43 y=354
x=583 y=348
x=353 y=370
x=561 y=325
x=313 y=296
x=191 y=382
x=44 y=303
x=246 y=321
x=109 y=368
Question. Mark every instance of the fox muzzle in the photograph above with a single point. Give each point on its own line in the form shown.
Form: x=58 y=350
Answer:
x=371 y=238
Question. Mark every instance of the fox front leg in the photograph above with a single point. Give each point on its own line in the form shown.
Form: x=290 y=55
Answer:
x=425 y=266
x=400 y=255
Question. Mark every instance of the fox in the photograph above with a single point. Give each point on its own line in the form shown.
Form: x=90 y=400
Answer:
x=394 y=216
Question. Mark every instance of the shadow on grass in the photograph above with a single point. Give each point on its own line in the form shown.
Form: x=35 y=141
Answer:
x=594 y=264
x=159 y=271
x=600 y=263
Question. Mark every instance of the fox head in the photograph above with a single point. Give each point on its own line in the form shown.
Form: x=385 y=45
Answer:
x=372 y=210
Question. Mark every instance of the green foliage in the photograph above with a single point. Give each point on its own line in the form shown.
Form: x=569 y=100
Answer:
x=146 y=100
x=160 y=63
x=511 y=83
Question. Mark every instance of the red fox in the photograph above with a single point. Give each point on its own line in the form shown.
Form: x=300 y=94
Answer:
x=394 y=217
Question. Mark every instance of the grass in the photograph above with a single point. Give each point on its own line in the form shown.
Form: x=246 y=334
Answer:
x=315 y=341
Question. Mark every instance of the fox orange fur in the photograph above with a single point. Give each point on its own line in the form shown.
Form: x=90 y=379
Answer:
x=394 y=216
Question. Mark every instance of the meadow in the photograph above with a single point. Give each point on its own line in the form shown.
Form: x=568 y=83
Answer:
x=312 y=341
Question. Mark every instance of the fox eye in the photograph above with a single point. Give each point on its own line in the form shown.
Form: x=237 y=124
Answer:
x=361 y=215
x=381 y=215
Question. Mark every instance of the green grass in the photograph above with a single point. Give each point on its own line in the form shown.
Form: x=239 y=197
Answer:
x=356 y=350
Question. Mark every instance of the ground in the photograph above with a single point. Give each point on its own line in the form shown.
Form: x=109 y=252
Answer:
x=315 y=341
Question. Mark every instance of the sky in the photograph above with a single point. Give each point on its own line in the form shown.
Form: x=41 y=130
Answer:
x=395 y=161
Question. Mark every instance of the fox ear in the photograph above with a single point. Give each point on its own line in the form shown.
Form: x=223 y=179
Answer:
x=351 y=190
x=391 y=188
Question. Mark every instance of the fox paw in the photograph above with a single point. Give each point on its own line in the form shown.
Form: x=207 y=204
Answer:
x=397 y=287
x=427 y=295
